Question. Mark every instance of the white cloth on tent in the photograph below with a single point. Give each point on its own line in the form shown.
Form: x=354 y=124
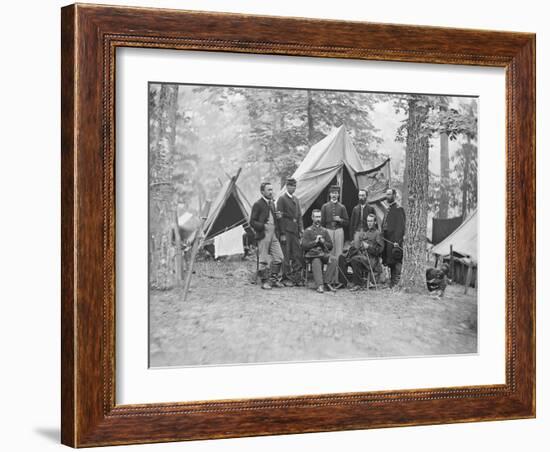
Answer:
x=229 y=243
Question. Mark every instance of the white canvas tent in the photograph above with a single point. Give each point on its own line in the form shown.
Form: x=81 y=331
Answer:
x=463 y=240
x=334 y=160
x=229 y=210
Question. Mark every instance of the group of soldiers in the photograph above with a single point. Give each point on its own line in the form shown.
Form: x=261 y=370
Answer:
x=284 y=247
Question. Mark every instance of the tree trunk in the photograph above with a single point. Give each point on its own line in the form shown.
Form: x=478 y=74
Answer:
x=467 y=155
x=162 y=197
x=416 y=205
x=444 y=172
x=310 y=126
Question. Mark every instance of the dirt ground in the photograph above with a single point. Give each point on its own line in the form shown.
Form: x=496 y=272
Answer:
x=228 y=320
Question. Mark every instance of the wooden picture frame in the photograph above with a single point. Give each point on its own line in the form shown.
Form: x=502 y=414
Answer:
x=90 y=35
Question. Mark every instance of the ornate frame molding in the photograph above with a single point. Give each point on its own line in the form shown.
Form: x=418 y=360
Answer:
x=90 y=37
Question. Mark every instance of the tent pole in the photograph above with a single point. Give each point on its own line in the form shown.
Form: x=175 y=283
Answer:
x=452 y=263
x=341 y=182
x=195 y=249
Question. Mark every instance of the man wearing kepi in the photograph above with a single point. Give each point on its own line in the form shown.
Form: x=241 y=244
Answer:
x=334 y=217
x=393 y=231
x=292 y=228
x=359 y=214
x=264 y=219
x=317 y=244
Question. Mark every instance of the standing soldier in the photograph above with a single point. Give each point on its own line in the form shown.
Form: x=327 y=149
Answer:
x=393 y=231
x=264 y=220
x=359 y=214
x=367 y=258
x=334 y=217
x=292 y=228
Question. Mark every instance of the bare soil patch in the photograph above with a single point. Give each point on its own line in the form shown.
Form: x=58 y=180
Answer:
x=228 y=320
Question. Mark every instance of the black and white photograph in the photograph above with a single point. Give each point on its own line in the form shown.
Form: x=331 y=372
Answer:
x=294 y=225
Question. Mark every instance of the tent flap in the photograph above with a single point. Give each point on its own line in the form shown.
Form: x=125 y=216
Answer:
x=443 y=227
x=229 y=210
x=334 y=159
x=376 y=181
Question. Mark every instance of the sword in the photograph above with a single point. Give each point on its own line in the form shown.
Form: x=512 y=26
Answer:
x=372 y=272
x=393 y=243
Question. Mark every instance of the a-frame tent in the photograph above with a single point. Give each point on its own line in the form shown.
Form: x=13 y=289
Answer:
x=332 y=161
x=229 y=210
x=463 y=240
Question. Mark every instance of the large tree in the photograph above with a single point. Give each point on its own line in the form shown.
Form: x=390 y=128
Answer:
x=424 y=117
x=416 y=134
x=163 y=268
x=444 y=166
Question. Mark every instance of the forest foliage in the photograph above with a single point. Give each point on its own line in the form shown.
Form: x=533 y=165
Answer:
x=268 y=132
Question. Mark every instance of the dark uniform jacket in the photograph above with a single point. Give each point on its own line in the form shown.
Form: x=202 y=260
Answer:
x=311 y=246
x=259 y=216
x=291 y=221
x=358 y=222
x=373 y=238
x=329 y=211
x=393 y=230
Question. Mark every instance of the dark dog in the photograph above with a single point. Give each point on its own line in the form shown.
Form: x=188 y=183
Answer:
x=437 y=279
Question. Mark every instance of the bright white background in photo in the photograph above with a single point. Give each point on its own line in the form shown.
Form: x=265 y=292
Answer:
x=30 y=187
x=137 y=384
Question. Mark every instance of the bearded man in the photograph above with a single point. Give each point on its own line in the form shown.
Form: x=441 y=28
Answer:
x=317 y=245
x=359 y=214
x=393 y=231
x=264 y=219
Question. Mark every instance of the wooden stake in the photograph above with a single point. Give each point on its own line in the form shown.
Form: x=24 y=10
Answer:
x=468 y=278
x=197 y=242
x=452 y=264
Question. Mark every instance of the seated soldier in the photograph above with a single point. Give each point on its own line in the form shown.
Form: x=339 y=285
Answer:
x=366 y=259
x=317 y=245
x=437 y=278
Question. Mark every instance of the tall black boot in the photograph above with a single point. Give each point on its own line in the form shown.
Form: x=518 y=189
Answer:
x=275 y=270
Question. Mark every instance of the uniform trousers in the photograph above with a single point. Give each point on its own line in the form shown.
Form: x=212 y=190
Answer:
x=337 y=237
x=292 y=265
x=270 y=252
x=331 y=273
